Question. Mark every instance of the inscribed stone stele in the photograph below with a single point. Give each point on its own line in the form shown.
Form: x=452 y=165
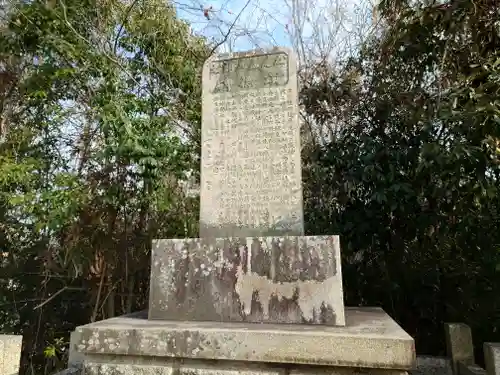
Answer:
x=250 y=163
x=252 y=262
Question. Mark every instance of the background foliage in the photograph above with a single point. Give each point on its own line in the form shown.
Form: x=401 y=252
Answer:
x=100 y=117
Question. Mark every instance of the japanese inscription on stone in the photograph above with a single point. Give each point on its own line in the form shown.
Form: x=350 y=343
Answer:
x=250 y=168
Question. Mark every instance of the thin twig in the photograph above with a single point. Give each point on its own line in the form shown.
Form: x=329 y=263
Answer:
x=230 y=29
x=55 y=295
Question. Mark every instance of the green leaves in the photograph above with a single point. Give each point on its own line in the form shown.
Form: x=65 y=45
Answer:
x=13 y=173
x=50 y=351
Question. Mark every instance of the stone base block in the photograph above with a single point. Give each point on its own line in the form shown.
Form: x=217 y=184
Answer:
x=176 y=367
x=370 y=340
x=295 y=279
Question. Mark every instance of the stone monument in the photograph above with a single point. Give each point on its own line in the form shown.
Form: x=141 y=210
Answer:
x=252 y=295
x=251 y=189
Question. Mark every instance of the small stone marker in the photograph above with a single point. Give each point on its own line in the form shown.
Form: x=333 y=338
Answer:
x=459 y=345
x=10 y=354
x=492 y=358
x=250 y=169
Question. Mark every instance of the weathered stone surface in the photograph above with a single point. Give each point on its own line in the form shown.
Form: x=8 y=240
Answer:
x=345 y=371
x=270 y=279
x=71 y=371
x=251 y=182
x=10 y=354
x=75 y=359
x=370 y=339
x=427 y=365
x=470 y=369
x=492 y=358
x=125 y=369
x=459 y=344
x=176 y=368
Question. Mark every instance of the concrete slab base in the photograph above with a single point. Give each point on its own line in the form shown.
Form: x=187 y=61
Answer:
x=370 y=340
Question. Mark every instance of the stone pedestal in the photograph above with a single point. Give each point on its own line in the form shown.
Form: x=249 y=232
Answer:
x=294 y=279
x=251 y=306
x=370 y=342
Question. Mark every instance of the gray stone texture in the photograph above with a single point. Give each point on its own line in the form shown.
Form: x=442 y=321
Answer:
x=266 y=279
x=71 y=371
x=459 y=344
x=345 y=371
x=251 y=179
x=176 y=368
x=370 y=339
x=492 y=358
x=427 y=365
x=470 y=369
x=10 y=354
x=75 y=359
